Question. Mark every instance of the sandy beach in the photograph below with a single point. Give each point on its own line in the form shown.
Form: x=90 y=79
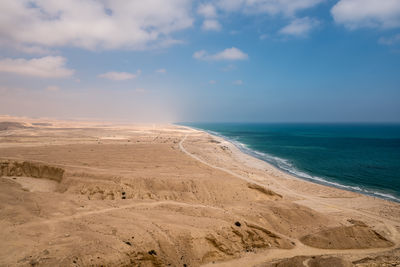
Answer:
x=77 y=193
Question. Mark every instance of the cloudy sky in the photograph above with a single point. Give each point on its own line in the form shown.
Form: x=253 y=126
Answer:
x=216 y=60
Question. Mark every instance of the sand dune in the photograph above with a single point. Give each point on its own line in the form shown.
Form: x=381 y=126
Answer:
x=167 y=195
x=347 y=237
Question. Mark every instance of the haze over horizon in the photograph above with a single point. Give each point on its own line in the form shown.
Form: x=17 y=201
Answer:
x=209 y=61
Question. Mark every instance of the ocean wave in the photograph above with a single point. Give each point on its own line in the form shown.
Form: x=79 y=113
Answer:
x=286 y=166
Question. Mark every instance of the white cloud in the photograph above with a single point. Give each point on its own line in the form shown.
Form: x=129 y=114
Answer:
x=300 y=27
x=238 y=82
x=207 y=10
x=367 y=13
x=202 y=54
x=393 y=40
x=271 y=7
x=162 y=71
x=212 y=82
x=119 y=76
x=231 y=54
x=34 y=50
x=227 y=54
x=92 y=24
x=45 y=67
x=211 y=25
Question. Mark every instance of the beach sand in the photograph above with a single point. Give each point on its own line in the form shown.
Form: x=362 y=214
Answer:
x=77 y=193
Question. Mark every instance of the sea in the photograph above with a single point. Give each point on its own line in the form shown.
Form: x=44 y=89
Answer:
x=364 y=158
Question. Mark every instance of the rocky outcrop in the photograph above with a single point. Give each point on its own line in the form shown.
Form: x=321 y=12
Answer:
x=8 y=125
x=30 y=169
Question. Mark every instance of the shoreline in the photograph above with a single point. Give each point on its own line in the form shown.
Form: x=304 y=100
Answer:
x=313 y=179
x=337 y=203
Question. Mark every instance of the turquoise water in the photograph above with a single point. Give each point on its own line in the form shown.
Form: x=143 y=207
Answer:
x=357 y=157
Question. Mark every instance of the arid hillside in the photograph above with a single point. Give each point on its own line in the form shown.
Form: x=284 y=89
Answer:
x=91 y=194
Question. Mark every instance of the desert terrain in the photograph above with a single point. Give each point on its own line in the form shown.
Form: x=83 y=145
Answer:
x=77 y=193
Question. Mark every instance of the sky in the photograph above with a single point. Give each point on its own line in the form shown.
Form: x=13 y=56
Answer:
x=201 y=61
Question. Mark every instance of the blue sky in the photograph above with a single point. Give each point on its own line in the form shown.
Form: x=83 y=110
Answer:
x=182 y=60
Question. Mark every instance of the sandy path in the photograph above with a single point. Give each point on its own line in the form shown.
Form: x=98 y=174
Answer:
x=182 y=148
x=111 y=209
